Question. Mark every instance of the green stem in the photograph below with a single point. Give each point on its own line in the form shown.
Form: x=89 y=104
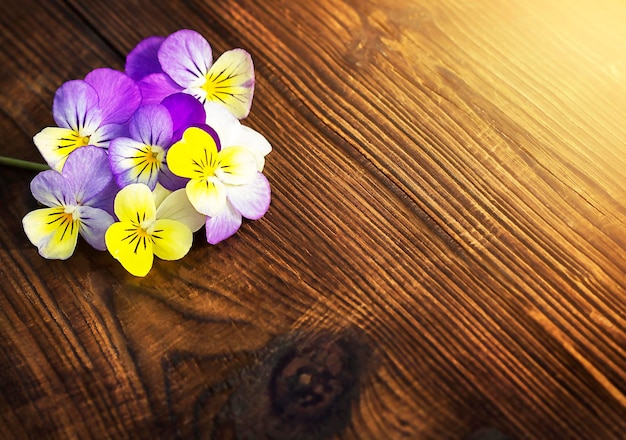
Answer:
x=9 y=161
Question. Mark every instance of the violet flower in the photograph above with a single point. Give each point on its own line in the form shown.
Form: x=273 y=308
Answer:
x=75 y=202
x=88 y=112
x=184 y=62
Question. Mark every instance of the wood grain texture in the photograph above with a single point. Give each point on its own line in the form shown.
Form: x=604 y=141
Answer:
x=445 y=249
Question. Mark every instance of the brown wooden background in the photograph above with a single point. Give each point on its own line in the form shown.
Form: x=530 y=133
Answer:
x=445 y=248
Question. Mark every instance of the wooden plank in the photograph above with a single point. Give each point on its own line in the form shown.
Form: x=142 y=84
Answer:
x=447 y=226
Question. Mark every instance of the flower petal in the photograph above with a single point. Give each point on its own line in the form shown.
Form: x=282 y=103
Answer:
x=55 y=144
x=193 y=154
x=170 y=180
x=255 y=142
x=135 y=203
x=106 y=198
x=152 y=125
x=104 y=134
x=155 y=87
x=186 y=57
x=88 y=172
x=134 y=162
x=93 y=224
x=207 y=196
x=184 y=110
x=222 y=226
x=236 y=166
x=172 y=239
x=251 y=200
x=230 y=82
x=160 y=193
x=133 y=251
x=51 y=189
x=223 y=122
x=53 y=231
x=119 y=95
x=176 y=206
x=143 y=59
x=76 y=105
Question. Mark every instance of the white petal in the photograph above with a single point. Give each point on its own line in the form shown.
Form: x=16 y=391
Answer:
x=255 y=142
x=251 y=200
x=176 y=206
x=223 y=122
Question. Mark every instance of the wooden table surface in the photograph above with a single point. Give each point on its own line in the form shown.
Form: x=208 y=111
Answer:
x=445 y=249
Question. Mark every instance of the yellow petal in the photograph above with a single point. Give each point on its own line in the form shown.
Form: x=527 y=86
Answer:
x=236 y=166
x=53 y=231
x=171 y=238
x=55 y=144
x=135 y=203
x=160 y=193
x=132 y=247
x=194 y=156
x=207 y=196
x=230 y=82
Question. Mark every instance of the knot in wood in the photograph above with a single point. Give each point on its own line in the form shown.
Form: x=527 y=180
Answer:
x=307 y=383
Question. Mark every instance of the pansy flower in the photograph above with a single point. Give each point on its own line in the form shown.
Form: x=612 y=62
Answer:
x=74 y=203
x=140 y=158
x=88 y=112
x=225 y=184
x=185 y=63
x=151 y=223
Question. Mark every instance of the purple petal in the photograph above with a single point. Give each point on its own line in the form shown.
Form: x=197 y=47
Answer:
x=143 y=59
x=93 y=225
x=51 y=189
x=152 y=125
x=76 y=106
x=251 y=200
x=127 y=161
x=156 y=87
x=170 y=180
x=103 y=136
x=106 y=199
x=185 y=56
x=87 y=170
x=185 y=111
x=119 y=95
x=222 y=226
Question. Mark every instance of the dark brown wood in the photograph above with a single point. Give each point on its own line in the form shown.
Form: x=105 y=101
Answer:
x=444 y=253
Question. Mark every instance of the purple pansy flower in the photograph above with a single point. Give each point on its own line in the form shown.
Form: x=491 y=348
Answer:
x=88 y=112
x=76 y=201
x=184 y=62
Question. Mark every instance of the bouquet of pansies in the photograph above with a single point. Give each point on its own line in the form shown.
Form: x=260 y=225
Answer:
x=141 y=160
